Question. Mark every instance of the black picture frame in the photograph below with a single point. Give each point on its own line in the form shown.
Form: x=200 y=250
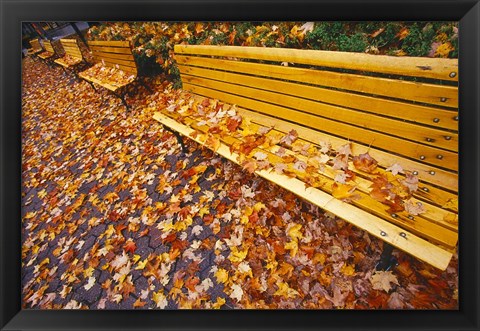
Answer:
x=14 y=12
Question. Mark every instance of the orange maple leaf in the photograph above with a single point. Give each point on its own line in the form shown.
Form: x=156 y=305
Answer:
x=130 y=246
x=365 y=162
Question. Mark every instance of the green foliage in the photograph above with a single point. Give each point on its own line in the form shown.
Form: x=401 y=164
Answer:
x=153 y=42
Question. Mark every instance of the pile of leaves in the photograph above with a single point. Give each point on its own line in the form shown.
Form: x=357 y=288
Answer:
x=70 y=60
x=264 y=148
x=153 y=42
x=114 y=217
x=113 y=75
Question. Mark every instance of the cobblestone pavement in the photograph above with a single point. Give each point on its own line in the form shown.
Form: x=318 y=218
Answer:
x=116 y=217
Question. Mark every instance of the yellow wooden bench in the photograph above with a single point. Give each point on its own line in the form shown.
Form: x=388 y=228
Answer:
x=49 y=51
x=73 y=55
x=395 y=114
x=36 y=48
x=115 y=67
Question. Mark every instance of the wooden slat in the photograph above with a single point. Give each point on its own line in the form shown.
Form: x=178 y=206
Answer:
x=72 y=48
x=117 y=50
x=74 y=52
x=112 y=62
x=48 y=47
x=66 y=65
x=125 y=57
x=419 y=92
x=109 y=43
x=411 y=244
x=72 y=41
x=36 y=45
x=129 y=69
x=421 y=134
x=435 y=68
x=45 y=55
x=406 y=111
x=99 y=82
x=389 y=143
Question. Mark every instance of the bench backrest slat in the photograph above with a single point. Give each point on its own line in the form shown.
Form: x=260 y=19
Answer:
x=114 y=54
x=48 y=46
x=71 y=48
x=410 y=116
x=36 y=44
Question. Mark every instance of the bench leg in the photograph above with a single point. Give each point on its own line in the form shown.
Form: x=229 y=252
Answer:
x=179 y=139
x=122 y=97
x=91 y=84
x=145 y=86
x=64 y=70
x=387 y=260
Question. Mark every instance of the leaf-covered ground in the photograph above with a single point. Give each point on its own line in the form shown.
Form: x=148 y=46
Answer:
x=115 y=217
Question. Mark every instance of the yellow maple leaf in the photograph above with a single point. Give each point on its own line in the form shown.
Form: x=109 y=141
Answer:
x=238 y=256
x=444 y=50
x=203 y=211
x=259 y=206
x=88 y=272
x=348 y=270
x=451 y=204
x=295 y=233
x=135 y=258
x=221 y=275
x=292 y=246
x=213 y=143
x=141 y=265
x=160 y=299
x=342 y=191
x=30 y=214
x=285 y=291
x=219 y=303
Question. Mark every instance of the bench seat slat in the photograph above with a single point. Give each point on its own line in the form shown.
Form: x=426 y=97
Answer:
x=364 y=220
x=107 y=85
x=434 y=68
x=45 y=55
x=389 y=143
x=66 y=65
x=391 y=108
x=396 y=127
x=393 y=88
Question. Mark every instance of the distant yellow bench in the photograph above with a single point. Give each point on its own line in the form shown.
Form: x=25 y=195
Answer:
x=49 y=51
x=400 y=111
x=115 y=67
x=36 y=47
x=73 y=55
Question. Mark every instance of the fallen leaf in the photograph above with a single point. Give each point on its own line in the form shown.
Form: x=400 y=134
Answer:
x=383 y=280
x=364 y=162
